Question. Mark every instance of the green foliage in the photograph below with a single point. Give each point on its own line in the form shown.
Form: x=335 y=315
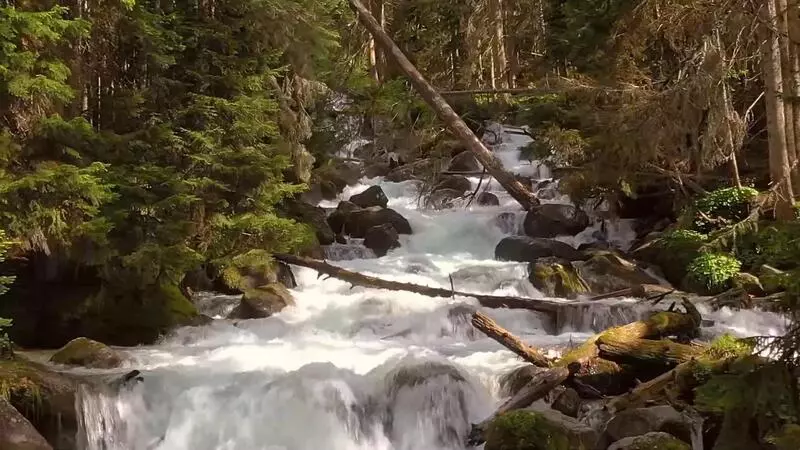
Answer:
x=721 y=208
x=5 y=342
x=713 y=271
x=775 y=244
x=728 y=346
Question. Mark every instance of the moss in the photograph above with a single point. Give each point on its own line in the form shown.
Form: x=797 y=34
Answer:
x=653 y=441
x=721 y=208
x=727 y=346
x=524 y=430
x=673 y=252
x=558 y=279
x=88 y=353
x=248 y=270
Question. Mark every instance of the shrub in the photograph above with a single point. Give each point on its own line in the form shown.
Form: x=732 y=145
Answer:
x=712 y=272
x=721 y=208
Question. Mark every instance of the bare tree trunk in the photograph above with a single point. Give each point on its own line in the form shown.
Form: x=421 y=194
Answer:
x=511 y=43
x=499 y=45
x=776 y=129
x=490 y=328
x=372 y=52
x=786 y=89
x=445 y=112
x=793 y=23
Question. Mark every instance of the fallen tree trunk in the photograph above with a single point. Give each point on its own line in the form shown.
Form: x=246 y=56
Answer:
x=358 y=279
x=646 y=351
x=490 y=328
x=542 y=383
x=445 y=112
x=641 y=394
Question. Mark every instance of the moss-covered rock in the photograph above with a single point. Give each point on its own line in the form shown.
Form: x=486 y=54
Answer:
x=88 y=353
x=262 y=302
x=16 y=432
x=640 y=421
x=538 y=430
x=607 y=271
x=44 y=397
x=251 y=270
x=672 y=252
x=556 y=278
x=650 y=441
x=772 y=279
x=749 y=283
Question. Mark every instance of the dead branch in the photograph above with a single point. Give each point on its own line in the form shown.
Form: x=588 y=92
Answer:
x=490 y=328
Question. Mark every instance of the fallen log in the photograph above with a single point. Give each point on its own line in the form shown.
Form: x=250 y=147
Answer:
x=445 y=112
x=645 y=392
x=490 y=328
x=359 y=279
x=646 y=351
x=542 y=383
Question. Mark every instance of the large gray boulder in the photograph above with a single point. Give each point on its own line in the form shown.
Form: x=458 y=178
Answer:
x=551 y=220
x=358 y=222
x=607 y=271
x=528 y=249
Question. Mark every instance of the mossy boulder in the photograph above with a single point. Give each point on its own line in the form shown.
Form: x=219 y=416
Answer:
x=749 y=283
x=262 y=302
x=650 y=441
x=640 y=421
x=16 y=432
x=556 y=278
x=607 y=271
x=538 y=430
x=43 y=397
x=88 y=353
x=251 y=270
x=771 y=279
x=672 y=252
x=711 y=273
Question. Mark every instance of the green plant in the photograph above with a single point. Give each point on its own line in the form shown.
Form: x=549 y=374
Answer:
x=5 y=342
x=777 y=245
x=712 y=271
x=721 y=208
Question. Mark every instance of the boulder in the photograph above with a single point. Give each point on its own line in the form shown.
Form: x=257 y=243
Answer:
x=512 y=382
x=338 y=217
x=410 y=171
x=312 y=215
x=443 y=198
x=16 y=432
x=547 y=190
x=749 y=283
x=455 y=182
x=381 y=238
x=88 y=353
x=607 y=271
x=249 y=272
x=377 y=170
x=506 y=222
x=640 y=421
x=650 y=441
x=44 y=397
x=488 y=199
x=538 y=430
x=528 y=249
x=556 y=278
x=358 y=222
x=373 y=196
x=568 y=402
x=464 y=162
x=551 y=220
x=773 y=280
x=262 y=302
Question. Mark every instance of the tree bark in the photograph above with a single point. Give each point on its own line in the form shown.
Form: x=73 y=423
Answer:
x=776 y=126
x=786 y=86
x=793 y=18
x=355 y=278
x=499 y=44
x=645 y=351
x=542 y=383
x=490 y=328
x=456 y=125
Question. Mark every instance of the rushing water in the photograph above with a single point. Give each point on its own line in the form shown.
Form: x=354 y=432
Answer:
x=352 y=368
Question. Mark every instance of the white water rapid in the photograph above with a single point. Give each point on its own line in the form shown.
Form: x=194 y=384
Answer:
x=354 y=368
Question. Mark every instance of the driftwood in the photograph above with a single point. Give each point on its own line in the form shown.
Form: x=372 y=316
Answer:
x=445 y=112
x=542 y=383
x=358 y=279
x=490 y=328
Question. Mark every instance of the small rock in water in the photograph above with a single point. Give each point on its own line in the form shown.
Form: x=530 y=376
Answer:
x=88 y=353
x=506 y=222
x=373 y=196
x=639 y=421
x=488 y=199
x=381 y=238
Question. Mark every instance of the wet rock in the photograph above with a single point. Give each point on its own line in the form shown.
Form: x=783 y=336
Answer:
x=528 y=249
x=338 y=217
x=45 y=398
x=506 y=222
x=488 y=199
x=551 y=220
x=650 y=441
x=460 y=318
x=410 y=171
x=464 y=162
x=373 y=196
x=238 y=278
x=607 y=271
x=525 y=180
x=512 y=382
x=358 y=222
x=377 y=170
x=88 y=353
x=328 y=190
x=381 y=238
x=772 y=280
x=443 y=198
x=16 y=432
x=749 y=283
x=451 y=147
x=455 y=182
x=312 y=215
x=538 y=430
x=556 y=278
x=568 y=402
x=262 y=302
x=640 y=421
x=547 y=190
